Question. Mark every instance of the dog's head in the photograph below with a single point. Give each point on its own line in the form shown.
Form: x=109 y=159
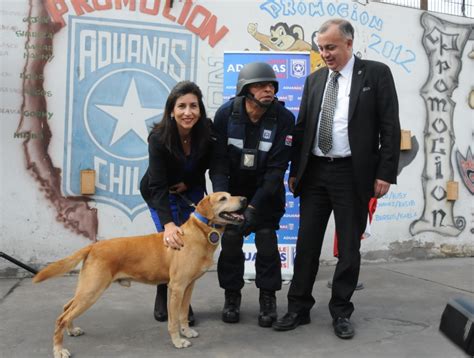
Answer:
x=221 y=208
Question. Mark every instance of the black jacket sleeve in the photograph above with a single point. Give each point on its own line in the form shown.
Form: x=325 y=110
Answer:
x=219 y=168
x=389 y=122
x=299 y=131
x=158 y=186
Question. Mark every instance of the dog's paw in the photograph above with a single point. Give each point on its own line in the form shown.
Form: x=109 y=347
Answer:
x=189 y=332
x=180 y=343
x=75 y=332
x=61 y=353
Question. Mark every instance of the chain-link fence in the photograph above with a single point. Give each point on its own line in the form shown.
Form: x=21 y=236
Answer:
x=452 y=7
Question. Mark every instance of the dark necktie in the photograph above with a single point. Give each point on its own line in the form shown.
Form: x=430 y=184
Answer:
x=327 y=114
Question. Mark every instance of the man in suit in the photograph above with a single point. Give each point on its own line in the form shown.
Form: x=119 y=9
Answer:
x=346 y=149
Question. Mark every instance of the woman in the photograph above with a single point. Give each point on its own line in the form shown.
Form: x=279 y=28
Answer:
x=179 y=148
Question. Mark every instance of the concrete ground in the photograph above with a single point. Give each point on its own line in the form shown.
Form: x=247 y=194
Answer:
x=397 y=315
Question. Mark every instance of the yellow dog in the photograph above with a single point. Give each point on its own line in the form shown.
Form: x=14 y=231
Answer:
x=146 y=259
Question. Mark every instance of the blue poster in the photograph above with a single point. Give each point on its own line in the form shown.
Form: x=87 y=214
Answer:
x=291 y=69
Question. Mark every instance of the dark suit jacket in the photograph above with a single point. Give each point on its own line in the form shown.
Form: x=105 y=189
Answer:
x=374 y=127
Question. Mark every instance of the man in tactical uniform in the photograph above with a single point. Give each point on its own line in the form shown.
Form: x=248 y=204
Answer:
x=250 y=158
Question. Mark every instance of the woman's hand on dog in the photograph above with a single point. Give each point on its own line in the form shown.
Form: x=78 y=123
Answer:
x=171 y=236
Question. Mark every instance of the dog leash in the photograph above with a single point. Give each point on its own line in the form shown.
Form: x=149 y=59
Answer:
x=184 y=198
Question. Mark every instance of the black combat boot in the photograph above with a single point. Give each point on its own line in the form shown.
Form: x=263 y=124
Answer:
x=268 y=313
x=231 y=311
x=161 y=306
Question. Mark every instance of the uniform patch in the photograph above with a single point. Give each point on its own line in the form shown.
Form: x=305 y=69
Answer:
x=288 y=140
x=267 y=134
x=119 y=76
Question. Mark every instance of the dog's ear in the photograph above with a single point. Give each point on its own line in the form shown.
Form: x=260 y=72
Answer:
x=204 y=208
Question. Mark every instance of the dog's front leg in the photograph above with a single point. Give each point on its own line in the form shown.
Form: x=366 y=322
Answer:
x=176 y=293
x=183 y=314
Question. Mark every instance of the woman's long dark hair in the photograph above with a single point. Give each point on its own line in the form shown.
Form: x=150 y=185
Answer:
x=168 y=130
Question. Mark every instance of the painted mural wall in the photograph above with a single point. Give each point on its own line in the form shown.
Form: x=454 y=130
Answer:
x=82 y=81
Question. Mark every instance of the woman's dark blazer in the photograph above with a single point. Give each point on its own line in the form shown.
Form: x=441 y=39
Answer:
x=165 y=170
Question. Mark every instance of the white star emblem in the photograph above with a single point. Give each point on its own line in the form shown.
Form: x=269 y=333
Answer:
x=130 y=116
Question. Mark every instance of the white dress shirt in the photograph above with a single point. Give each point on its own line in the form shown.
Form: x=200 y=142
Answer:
x=340 y=136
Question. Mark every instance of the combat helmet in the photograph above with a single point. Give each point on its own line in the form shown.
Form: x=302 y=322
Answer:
x=255 y=72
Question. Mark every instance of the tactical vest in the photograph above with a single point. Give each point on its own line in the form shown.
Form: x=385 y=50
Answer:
x=236 y=130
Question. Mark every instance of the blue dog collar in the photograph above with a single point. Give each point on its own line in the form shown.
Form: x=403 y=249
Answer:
x=214 y=236
x=205 y=220
x=201 y=218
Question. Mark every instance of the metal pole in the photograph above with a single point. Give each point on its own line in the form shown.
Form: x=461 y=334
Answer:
x=18 y=263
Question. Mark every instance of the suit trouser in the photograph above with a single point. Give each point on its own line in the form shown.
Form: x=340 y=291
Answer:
x=231 y=263
x=328 y=187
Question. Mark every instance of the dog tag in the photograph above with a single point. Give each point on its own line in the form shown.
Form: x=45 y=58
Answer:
x=213 y=237
x=249 y=159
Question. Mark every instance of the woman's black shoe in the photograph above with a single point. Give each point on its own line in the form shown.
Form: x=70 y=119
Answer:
x=161 y=303
x=191 y=319
x=161 y=306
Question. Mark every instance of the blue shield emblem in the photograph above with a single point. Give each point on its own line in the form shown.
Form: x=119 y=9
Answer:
x=119 y=76
x=298 y=68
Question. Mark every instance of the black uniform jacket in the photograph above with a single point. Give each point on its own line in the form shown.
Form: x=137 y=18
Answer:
x=263 y=186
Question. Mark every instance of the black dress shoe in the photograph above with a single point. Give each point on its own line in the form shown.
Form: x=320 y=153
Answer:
x=290 y=321
x=343 y=328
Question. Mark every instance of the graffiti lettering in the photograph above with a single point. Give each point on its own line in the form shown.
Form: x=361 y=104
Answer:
x=441 y=86
x=439 y=125
x=438 y=193
x=38 y=92
x=99 y=49
x=439 y=174
x=199 y=21
x=9 y=111
x=124 y=180
x=435 y=214
x=435 y=149
x=35 y=19
x=28 y=135
x=446 y=42
x=215 y=79
x=436 y=103
x=39 y=114
x=318 y=8
x=443 y=42
x=397 y=54
x=32 y=76
x=442 y=66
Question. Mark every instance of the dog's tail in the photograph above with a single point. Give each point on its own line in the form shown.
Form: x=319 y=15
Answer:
x=62 y=266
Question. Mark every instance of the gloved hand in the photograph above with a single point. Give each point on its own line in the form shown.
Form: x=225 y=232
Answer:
x=250 y=216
